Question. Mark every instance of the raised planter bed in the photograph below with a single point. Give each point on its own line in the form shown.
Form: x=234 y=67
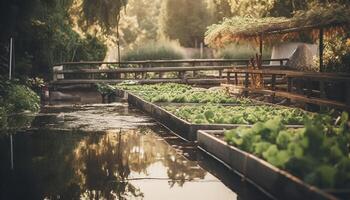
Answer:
x=181 y=127
x=184 y=129
x=279 y=183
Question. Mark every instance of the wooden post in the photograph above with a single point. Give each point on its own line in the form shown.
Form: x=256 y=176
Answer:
x=289 y=84
x=347 y=92
x=321 y=49
x=273 y=87
x=246 y=84
x=322 y=94
x=194 y=71
x=322 y=90
x=220 y=73
x=309 y=87
x=236 y=78
x=261 y=43
x=228 y=77
x=273 y=82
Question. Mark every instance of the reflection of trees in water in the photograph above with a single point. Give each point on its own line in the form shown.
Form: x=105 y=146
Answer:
x=90 y=166
x=104 y=163
x=102 y=168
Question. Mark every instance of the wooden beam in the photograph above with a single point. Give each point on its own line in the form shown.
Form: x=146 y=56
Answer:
x=321 y=33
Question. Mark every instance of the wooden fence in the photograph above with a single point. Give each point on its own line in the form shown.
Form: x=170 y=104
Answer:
x=194 y=71
x=324 y=89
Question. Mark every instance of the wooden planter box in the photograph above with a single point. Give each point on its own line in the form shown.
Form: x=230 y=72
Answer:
x=278 y=183
x=181 y=127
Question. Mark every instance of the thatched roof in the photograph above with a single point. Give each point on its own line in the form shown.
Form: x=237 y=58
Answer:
x=333 y=17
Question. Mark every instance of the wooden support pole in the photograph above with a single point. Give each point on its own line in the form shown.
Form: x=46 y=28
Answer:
x=289 y=86
x=309 y=87
x=236 y=78
x=261 y=44
x=321 y=49
x=322 y=90
x=228 y=77
x=347 y=93
x=273 y=87
x=273 y=82
x=220 y=73
x=246 y=84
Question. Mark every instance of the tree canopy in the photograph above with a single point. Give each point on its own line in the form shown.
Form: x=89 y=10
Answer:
x=184 y=20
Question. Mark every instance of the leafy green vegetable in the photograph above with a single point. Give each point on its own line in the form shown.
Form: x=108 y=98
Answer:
x=318 y=153
x=240 y=114
x=180 y=93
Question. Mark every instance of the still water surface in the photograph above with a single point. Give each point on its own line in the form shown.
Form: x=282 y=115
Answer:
x=109 y=151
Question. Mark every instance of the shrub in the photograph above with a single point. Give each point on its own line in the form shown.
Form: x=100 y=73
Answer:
x=21 y=98
x=3 y=118
x=236 y=51
x=336 y=54
x=155 y=50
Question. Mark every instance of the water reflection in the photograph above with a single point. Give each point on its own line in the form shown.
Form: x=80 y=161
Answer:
x=73 y=165
x=105 y=152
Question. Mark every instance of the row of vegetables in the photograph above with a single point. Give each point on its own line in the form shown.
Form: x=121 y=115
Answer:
x=318 y=153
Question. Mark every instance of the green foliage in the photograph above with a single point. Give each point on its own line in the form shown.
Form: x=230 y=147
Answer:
x=318 y=153
x=104 y=13
x=20 y=98
x=140 y=22
x=250 y=8
x=43 y=36
x=184 y=20
x=235 y=51
x=179 y=93
x=336 y=54
x=240 y=114
x=105 y=89
x=3 y=118
x=161 y=50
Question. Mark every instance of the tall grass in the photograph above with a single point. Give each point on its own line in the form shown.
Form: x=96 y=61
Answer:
x=155 y=50
x=240 y=51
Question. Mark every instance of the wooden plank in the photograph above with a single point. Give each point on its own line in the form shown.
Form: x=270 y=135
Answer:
x=295 y=74
x=164 y=61
x=302 y=98
x=202 y=81
x=149 y=69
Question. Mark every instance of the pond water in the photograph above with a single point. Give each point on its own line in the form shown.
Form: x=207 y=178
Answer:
x=107 y=151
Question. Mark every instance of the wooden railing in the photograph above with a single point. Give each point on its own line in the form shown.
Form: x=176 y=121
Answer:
x=151 y=71
x=308 y=87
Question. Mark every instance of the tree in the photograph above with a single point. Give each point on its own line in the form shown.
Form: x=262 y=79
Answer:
x=184 y=20
x=43 y=36
x=219 y=9
x=140 y=22
x=105 y=14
